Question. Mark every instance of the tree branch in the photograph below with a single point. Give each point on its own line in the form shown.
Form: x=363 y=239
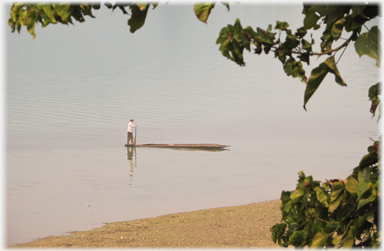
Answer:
x=334 y=50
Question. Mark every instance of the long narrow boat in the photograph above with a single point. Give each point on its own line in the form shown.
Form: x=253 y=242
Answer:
x=200 y=146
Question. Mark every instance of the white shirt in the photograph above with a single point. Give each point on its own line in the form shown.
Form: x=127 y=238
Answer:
x=130 y=125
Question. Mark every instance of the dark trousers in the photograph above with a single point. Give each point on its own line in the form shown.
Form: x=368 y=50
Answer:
x=130 y=138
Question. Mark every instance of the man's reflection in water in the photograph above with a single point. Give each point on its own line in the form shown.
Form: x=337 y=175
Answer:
x=130 y=152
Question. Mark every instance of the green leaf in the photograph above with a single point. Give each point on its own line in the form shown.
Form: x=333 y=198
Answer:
x=365 y=217
x=330 y=13
x=352 y=185
x=23 y=15
x=357 y=10
x=304 y=57
x=290 y=43
x=137 y=19
x=96 y=6
x=364 y=201
x=264 y=37
x=239 y=37
x=297 y=194
x=278 y=231
x=319 y=240
x=14 y=11
x=374 y=90
x=337 y=29
x=336 y=12
x=310 y=20
x=317 y=76
x=337 y=185
x=368 y=159
x=87 y=9
x=369 y=44
x=285 y=196
x=18 y=27
x=330 y=227
x=336 y=241
x=31 y=21
x=62 y=10
x=292 y=217
x=286 y=208
x=363 y=188
x=306 y=45
x=337 y=188
x=336 y=203
x=353 y=24
x=373 y=94
x=333 y=69
x=281 y=25
x=300 y=32
x=48 y=11
x=295 y=69
x=327 y=40
x=296 y=238
x=321 y=196
x=224 y=34
x=364 y=175
x=202 y=10
x=349 y=240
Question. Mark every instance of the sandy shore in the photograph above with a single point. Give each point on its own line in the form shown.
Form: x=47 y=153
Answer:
x=245 y=226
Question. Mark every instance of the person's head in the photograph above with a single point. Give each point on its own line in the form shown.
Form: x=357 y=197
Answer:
x=132 y=120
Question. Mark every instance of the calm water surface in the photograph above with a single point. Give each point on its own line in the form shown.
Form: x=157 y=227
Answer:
x=71 y=91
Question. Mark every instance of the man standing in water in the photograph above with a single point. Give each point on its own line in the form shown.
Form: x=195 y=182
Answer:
x=130 y=136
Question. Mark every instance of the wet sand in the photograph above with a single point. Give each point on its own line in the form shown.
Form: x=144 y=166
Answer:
x=226 y=227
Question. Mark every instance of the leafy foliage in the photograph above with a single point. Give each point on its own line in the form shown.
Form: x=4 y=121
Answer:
x=293 y=50
x=26 y=14
x=336 y=213
x=29 y=14
x=373 y=94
